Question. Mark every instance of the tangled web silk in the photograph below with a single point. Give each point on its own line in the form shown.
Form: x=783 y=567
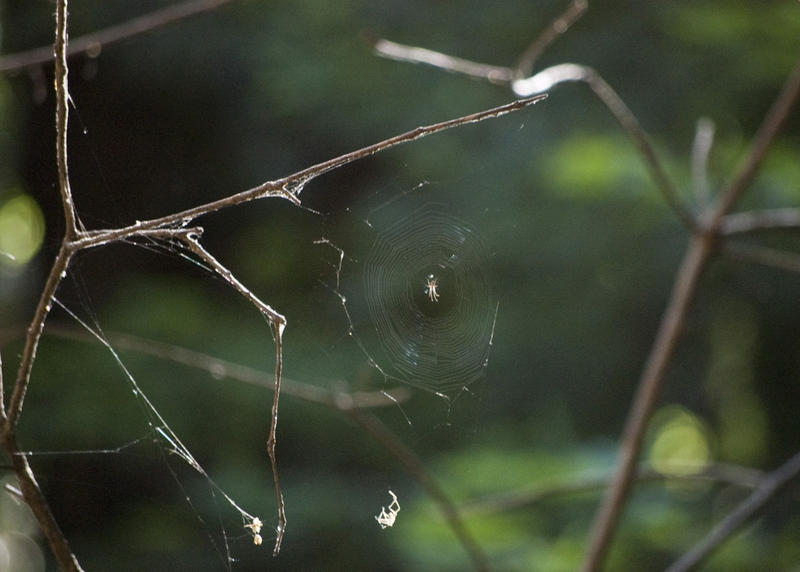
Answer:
x=439 y=343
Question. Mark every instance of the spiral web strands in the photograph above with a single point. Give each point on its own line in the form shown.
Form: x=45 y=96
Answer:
x=436 y=342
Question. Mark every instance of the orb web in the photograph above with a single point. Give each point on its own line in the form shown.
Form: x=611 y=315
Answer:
x=439 y=343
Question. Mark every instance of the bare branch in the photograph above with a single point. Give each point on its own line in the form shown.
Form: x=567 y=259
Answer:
x=30 y=488
x=550 y=34
x=770 y=486
x=278 y=323
x=701 y=148
x=716 y=473
x=411 y=54
x=694 y=262
x=224 y=369
x=38 y=504
x=291 y=186
x=62 y=119
x=544 y=81
x=652 y=378
x=753 y=221
x=34 y=333
x=765 y=256
x=769 y=128
x=94 y=42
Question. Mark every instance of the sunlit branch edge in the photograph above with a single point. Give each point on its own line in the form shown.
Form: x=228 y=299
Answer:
x=544 y=81
x=701 y=248
x=170 y=226
x=703 y=243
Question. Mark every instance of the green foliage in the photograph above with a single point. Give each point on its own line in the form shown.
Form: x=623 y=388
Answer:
x=583 y=251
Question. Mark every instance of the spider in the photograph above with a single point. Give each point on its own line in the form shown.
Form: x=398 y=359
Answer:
x=389 y=514
x=430 y=288
x=255 y=527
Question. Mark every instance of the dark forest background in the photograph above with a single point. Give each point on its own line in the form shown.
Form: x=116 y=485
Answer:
x=583 y=255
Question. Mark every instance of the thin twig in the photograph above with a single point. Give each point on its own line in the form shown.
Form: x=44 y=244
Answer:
x=168 y=227
x=701 y=149
x=550 y=34
x=700 y=249
x=766 y=490
x=224 y=369
x=34 y=334
x=39 y=507
x=716 y=473
x=412 y=54
x=278 y=323
x=3 y=416
x=62 y=120
x=763 y=255
x=93 y=43
x=753 y=221
x=291 y=186
x=544 y=81
x=416 y=468
x=769 y=128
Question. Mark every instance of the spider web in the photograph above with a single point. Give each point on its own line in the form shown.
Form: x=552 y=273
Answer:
x=369 y=325
x=440 y=344
x=378 y=253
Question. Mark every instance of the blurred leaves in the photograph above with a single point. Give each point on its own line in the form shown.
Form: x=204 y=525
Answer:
x=583 y=249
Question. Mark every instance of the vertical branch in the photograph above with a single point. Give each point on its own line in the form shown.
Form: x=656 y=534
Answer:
x=62 y=118
x=2 y=394
x=272 y=439
x=278 y=323
x=766 y=490
x=550 y=34
x=30 y=488
x=697 y=256
x=649 y=387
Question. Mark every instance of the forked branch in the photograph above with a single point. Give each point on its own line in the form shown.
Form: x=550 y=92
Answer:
x=170 y=227
x=546 y=80
x=700 y=250
x=705 y=233
x=278 y=323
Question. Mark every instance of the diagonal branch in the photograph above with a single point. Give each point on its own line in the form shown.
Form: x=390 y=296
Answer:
x=278 y=323
x=774 y=120
x=770 y=219
x=416 y=55
x=30 y=488
x=715 y=473
x=789 y=261
x=700 y=250
x=546 y=80
x=93 y=42
x=574 y=11
x=220 y=368
x=291 y=186
x=770 y=486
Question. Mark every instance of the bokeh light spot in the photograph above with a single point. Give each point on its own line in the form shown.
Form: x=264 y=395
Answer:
x=681 y=444
x=21 y=230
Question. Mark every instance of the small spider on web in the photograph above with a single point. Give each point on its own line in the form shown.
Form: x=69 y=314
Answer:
x=388 y=514
x=430 y=288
